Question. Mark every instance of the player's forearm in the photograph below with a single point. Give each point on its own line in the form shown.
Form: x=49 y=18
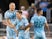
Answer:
x=10 y=24
x=27 y=29
x=3 y=22
x=48 y=28
x=28 y=26
x=22 y=28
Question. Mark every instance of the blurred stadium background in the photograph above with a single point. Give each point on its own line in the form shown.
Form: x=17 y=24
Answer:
x=27 y=3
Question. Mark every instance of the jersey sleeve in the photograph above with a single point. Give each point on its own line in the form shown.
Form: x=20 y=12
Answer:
x=6 y=15
x=26 y=22
x=45 y=20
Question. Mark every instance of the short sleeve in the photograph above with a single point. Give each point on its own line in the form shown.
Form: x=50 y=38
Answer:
x=45 y=20
x=26 y=22
x=6 y=15
x=32 y=20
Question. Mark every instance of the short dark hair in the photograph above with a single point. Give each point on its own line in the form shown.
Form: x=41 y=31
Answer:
x=20 y=12
x=38 y=10
x=11 y=2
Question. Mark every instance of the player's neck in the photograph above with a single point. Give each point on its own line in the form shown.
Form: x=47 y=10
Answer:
x=11 y=10
x=20 y=18
x=39 y=14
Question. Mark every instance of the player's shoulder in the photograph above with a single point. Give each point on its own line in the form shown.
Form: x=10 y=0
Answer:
x=35 y=16
x=6 y=12
x=43 y=17
x=24 y=18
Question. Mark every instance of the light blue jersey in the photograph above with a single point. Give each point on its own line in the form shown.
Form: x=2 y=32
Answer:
x=35 y=14
x=39 y=23
x=22 y=22
x=10 y=15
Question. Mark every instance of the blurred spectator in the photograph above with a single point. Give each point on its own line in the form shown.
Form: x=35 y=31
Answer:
x=43 y=5
x=1 y=17
x=24 y=12
x=48 y=15
x=37 y=3
x=30 y=1
x=50 y=5
x=31 y=11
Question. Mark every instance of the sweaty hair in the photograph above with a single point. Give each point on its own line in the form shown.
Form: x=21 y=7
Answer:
x=20 y=12
x=38 y=10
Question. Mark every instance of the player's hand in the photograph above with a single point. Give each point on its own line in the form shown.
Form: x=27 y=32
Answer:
x=22 y=28
x=32 y=37
x=27 y=30
x=4 y=22
x=16 y=31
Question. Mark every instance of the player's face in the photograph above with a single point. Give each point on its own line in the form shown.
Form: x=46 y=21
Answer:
x=18 y=15
x=41 y=12
x=12 y=6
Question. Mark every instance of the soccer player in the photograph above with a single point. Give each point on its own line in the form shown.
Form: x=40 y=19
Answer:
x=21 y=22
x=10 y=16
x=39 y=22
